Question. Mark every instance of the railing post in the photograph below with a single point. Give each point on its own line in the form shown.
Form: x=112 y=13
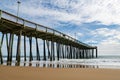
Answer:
x=46 y=29
x=0 y=14
x=36 y=27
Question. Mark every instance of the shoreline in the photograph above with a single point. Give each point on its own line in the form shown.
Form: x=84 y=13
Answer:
x=37 y=73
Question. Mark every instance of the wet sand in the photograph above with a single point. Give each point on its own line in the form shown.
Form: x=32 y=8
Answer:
x=36 y=73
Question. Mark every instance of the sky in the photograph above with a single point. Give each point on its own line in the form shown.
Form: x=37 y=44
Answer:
x=95 y=22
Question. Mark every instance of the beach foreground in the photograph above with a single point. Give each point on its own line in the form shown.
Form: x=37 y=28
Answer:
x=35 y=73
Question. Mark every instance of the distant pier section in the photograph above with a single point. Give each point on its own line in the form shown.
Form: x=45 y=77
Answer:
x=56 y=45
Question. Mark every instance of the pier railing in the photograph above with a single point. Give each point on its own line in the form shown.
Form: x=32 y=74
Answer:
x=27 y=23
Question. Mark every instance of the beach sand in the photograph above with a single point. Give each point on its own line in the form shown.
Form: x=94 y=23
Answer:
x=36 y=73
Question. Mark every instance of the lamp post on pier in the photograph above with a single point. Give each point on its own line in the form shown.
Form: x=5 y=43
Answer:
x=18 y=8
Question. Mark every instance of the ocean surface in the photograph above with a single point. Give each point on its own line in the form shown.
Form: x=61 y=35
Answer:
x=112 y=62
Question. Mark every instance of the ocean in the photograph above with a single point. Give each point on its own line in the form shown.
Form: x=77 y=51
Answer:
x=110 y=62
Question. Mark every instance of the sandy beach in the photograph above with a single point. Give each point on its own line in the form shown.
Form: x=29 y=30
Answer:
x=35 y=73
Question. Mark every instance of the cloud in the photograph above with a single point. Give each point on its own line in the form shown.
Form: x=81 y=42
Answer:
x=106 y=12
x=106 y=35
x=108 y=40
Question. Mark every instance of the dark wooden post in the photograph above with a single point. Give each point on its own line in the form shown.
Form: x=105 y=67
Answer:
x=24 y=48
x=19 y=47
x=53 y=51
x=76 y=53
x=58 y=46
x=37 y=50
x=86 y=52
x=92 y=53
x=83 y=53
x=80 y=54
x=70 y=52
x=73 y=52
x=51 y=57
x=63 y=51
x=7 y=47
x=1 y=58
x=11 y=46
x=47 y=42
x=44 y=51
x=96 y=53
x=30 y=41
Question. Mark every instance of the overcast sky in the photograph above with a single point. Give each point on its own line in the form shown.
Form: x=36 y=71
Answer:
x=95 y=22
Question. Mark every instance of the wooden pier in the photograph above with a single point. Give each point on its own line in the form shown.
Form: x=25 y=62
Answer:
x=55 y=43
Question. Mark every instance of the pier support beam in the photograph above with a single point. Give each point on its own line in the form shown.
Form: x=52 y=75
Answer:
x=96 y=52
x=70 y=52
x=37 y=50
x=30 y=41
x=57 y=47
x=24 y=48
x=63 y=51
x=44 y=51
x=11 y=46
x=51 y=56
x=53 y=51
x=1 y=42
x=19 y=48
x=92 y=53
x=9 y=43
x=47 y=42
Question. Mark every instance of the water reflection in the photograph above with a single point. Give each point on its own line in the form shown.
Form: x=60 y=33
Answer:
x=48 y=65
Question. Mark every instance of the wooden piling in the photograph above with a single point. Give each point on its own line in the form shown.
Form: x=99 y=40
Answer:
x=44 y=51
x=9 y=43
x=9 y=49
x=1 y=43
x=65 y=51
x=96 y=53
x=92 y=53
x=70 y=52
x=57 y=47
x=25 y=48
x=53 y=51
x=37 y=50
x=19 y=47
x=30 y=42
x=83 y=53
x=47 y=42
x=51 y=56
x=80 y=54
x=12 y=40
